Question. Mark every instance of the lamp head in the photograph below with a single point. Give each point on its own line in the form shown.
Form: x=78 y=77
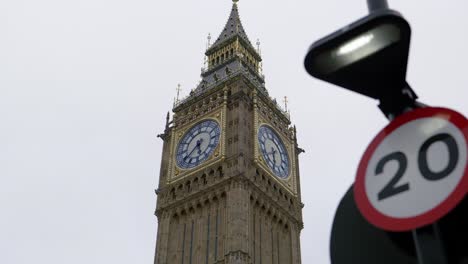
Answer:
x=369 y=56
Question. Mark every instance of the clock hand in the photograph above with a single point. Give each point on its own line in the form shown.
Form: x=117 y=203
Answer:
x=273 y=151
x=197 y=146
x=188 y=156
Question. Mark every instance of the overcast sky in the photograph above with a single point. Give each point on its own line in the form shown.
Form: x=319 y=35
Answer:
x=85 y=87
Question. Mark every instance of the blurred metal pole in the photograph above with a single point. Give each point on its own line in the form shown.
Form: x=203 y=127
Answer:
x=375 y=5
x=430 y=248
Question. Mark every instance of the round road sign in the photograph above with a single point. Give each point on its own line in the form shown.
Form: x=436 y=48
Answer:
x=415 y=170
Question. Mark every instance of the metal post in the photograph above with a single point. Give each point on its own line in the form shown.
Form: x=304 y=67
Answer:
x=428 y=241
x=429 y=245
x=375 y=5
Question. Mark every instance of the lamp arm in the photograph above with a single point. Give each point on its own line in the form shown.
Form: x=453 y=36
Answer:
x=394 y=103
x=375 y=5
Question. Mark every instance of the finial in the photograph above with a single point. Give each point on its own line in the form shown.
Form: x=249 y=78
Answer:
x=167 y=121
x=208 y=43
x=178 y=89
x=235 y=1
x=258 y=46
x=285 y=103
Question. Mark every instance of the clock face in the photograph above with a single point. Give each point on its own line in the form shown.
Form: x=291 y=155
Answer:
x=273 y=151
x=198 y=144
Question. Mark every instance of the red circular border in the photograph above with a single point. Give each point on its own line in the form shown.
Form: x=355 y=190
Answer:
x=403 y=224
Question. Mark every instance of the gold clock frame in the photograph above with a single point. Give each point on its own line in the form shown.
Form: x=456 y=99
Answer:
x=176 y=173
x=290 y=182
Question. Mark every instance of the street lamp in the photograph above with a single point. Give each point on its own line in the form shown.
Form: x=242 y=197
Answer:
x=369 y=57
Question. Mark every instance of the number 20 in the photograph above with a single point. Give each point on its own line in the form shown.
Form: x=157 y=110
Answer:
x=391 y=189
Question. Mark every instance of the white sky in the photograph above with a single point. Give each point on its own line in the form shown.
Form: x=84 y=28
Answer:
x=85 y=87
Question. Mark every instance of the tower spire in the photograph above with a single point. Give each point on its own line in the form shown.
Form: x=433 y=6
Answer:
x=230 y=54
x=232 y=29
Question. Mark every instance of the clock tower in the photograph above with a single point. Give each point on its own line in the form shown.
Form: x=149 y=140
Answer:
x=229 y=188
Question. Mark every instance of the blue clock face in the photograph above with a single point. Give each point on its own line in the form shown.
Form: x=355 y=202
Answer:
x=273 y=151
x=198 y=144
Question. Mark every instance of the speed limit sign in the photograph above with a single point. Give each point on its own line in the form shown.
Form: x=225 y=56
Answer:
x=415 y=170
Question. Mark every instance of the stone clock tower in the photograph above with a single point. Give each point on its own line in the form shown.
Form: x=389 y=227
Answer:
x=229 y=189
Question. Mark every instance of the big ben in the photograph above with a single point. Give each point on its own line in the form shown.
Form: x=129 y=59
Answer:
x=229 y=185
